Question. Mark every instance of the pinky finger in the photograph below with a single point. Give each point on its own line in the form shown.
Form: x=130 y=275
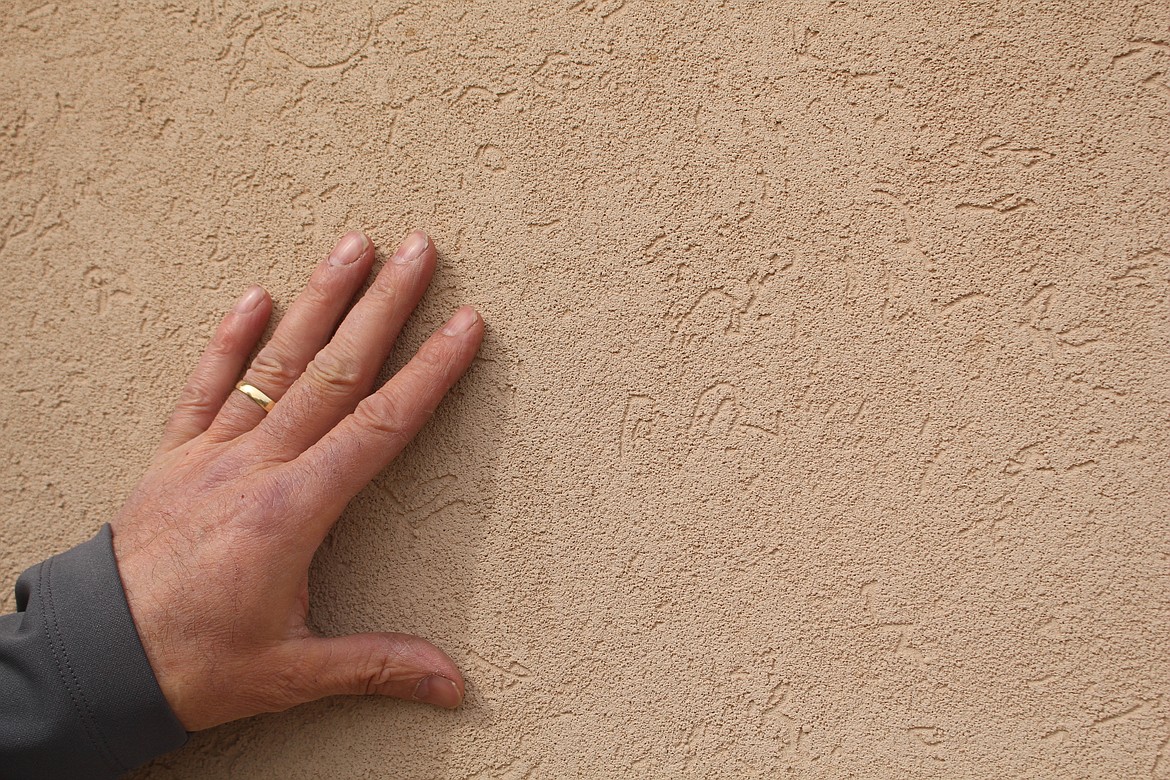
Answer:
x=222 y=362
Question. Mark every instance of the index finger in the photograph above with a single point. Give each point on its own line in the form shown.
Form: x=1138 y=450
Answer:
x=342 y=462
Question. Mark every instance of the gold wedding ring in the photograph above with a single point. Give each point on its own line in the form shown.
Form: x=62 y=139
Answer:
x=257 y=395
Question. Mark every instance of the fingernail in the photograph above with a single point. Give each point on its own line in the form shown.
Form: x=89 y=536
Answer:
x=349 y=248
x=249 y=300
x=463 y=319
x=412 y=247
x=438 y=690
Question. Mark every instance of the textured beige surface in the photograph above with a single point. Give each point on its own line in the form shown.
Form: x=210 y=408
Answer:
x=822 y=427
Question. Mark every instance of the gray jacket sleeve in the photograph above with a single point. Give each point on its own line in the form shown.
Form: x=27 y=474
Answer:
x=78 y=698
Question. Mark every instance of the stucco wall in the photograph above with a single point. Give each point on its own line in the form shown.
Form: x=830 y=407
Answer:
x=821 y=428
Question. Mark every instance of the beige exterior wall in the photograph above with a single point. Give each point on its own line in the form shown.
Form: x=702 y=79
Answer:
x=821 y=428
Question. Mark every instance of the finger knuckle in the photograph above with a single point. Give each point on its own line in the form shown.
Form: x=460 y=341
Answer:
x=377 y=673
x=195 y=398
x=335 y=374
x=224 y=345
x=273 y=368
x=387 y=285
x=438 y=358
x=319 y=294
x=382 y=414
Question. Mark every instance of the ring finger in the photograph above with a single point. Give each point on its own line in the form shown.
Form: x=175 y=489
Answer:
x=304 y=329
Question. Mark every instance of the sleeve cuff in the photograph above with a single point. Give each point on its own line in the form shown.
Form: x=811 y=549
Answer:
x=121 y=718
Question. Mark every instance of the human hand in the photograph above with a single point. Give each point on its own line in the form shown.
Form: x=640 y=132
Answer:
x=214 y=543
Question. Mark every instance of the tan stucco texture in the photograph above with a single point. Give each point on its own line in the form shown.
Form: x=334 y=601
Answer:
x=822 y=427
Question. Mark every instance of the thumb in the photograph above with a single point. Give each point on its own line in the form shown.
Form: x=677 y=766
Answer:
x=399 y=665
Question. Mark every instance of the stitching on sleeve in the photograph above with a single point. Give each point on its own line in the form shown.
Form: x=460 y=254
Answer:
x=88 y=721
